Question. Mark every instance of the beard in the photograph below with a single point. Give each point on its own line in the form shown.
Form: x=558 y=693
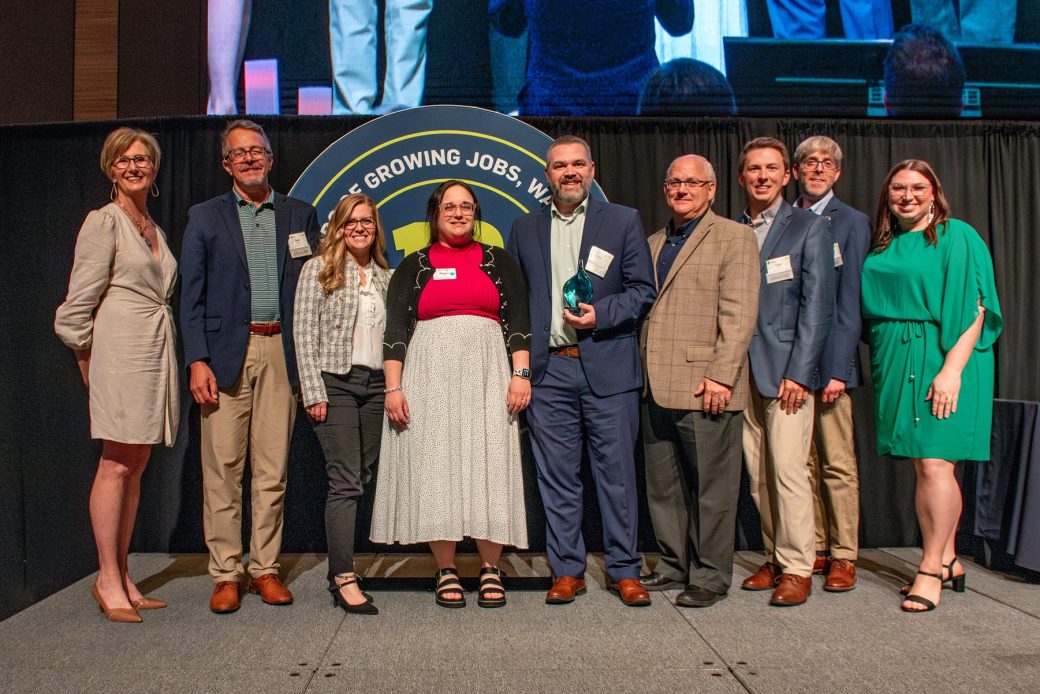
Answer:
x=572 y=198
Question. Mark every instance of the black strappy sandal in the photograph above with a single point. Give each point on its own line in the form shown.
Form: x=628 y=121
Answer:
x=491 y=582
x=448 y=582
x=928 y=604
x=957 y=582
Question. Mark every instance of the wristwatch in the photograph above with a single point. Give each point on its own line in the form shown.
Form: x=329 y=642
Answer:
x=523 y=373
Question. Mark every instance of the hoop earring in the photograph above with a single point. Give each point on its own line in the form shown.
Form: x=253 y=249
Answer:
x=112 y=193
x=155 y=190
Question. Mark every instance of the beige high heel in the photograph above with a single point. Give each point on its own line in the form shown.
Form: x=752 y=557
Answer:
x=126 y=615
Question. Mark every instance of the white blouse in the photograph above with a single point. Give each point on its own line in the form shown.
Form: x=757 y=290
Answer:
x=369 y=326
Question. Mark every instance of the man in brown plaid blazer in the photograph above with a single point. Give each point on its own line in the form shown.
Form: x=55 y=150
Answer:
x=695 y=349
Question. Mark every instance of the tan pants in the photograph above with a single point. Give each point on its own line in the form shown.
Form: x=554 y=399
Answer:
x=834 y=475
x=257 y=413
x=776 y=446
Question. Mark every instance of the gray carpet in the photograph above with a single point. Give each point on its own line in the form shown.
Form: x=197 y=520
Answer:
x=985 y=640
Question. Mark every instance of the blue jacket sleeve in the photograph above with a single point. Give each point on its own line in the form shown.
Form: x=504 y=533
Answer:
x=622 y=310
x=193 y=290
x=817 y=302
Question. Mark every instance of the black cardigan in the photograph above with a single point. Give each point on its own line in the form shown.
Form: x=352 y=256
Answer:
x=411 y=276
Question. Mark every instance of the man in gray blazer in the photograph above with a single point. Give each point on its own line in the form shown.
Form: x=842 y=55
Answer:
x=832 y=462
x=795 y=307
x=695 y=345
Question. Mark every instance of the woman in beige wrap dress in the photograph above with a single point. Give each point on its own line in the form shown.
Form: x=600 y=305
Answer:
x=117 y=320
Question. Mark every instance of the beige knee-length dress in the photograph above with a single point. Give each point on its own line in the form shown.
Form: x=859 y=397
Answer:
x=118 y=306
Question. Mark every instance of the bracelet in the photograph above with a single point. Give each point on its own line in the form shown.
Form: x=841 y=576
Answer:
x=387 y=391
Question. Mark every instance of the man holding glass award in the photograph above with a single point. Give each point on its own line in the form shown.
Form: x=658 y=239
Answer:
x=590 y=280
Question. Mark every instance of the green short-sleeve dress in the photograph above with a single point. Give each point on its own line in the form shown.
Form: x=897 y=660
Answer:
x=918 y=299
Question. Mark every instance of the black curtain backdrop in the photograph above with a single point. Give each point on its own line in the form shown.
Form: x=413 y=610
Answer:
x=51 y=178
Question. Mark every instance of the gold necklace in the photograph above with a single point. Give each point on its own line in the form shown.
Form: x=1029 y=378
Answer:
x=142 y=228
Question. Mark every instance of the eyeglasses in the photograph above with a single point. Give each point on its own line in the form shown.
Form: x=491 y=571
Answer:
x=141 y=161
x=240 y=154
x=365 y=222
x=465 y=209
x=691 y=183
x=814 y=164
x=918 y=189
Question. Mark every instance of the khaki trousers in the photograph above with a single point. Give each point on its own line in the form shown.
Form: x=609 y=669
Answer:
x=256 y=413
x=834 y=475
x=776 y=446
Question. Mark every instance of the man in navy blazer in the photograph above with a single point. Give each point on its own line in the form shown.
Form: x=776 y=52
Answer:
x=833 y=468
x=795 y=307
x=586 y=375
x=240 y=259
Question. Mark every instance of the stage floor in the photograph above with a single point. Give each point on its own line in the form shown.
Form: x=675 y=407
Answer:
x=984 y=640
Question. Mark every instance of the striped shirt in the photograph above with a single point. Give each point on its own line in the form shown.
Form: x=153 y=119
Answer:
x=262 y=256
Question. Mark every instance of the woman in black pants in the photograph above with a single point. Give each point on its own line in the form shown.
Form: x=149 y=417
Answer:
x=340 y=317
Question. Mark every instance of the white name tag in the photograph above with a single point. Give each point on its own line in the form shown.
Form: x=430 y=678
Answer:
x=444 y=273
x=298 y=245
x=778 y=269
x=599 y=261
x=838 y=260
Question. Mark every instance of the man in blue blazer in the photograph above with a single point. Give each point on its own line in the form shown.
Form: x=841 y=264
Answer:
x=241 y=256
x=585 y=368
x=795 y=307
x=833 y=468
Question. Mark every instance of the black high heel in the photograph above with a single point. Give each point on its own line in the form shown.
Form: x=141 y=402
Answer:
x=366 y=607
x=928 y=604
x=958 y=583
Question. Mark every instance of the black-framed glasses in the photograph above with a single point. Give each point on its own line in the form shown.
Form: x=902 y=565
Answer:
x=465 y=208
x=240 y=154
x=141 y=161
x=691 y=183
x=918 y=189
x=364 y=222
x=813 y=164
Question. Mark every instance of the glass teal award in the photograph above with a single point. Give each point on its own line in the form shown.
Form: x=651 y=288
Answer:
x=577 y=290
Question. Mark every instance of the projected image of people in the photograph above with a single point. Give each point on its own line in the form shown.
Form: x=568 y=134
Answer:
x=924 y=75
x=352 y=44
x=686 y=87
x=583 y=62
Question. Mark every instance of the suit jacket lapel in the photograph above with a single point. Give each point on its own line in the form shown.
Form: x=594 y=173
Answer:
x=544 y=233
x=593 y=223
x=282 y=220
x=696 y=236
x=234 y=226
x=780 y=222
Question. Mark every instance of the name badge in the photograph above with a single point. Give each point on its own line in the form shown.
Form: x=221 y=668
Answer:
x=444 y=273
x=298 y=245
x=599 y=261
x=779 y=269
x=838 y=260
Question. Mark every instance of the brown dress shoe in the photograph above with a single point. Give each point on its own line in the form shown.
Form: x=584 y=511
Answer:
x=792 y=590
x=766 y=578
x=146 y=603
x=271 y=589
x=564 y=590
x=225 y=597
x=819 y=565
x=631 y=592
x=841 y=577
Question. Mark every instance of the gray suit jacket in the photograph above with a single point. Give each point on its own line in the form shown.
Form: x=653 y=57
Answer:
x=794 y=315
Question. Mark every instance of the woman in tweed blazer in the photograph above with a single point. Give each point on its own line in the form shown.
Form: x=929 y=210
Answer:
x=340 y=318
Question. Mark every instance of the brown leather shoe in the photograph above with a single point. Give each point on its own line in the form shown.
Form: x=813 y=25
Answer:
x=841 y=577
x=564 y=590
x=766 y=578
x=225 y=597
x=819 y=565
x=271 y=589
x=792 y=590
x=146 y=603
x=631 y=592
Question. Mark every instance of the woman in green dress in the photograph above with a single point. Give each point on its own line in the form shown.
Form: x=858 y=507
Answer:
x=932 y=316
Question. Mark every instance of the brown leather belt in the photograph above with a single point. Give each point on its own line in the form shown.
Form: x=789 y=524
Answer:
x=568 y=351
x=265 y=329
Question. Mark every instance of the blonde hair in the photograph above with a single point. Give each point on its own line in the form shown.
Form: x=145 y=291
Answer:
x=120 y=139
x=333 y=251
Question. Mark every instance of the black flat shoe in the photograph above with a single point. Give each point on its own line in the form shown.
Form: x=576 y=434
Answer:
x=366 y=607
x=491 y=582
x=448 y=582
x=695 y=596
x=655 y=581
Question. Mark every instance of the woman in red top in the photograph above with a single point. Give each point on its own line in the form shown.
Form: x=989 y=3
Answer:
x=450 y=463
